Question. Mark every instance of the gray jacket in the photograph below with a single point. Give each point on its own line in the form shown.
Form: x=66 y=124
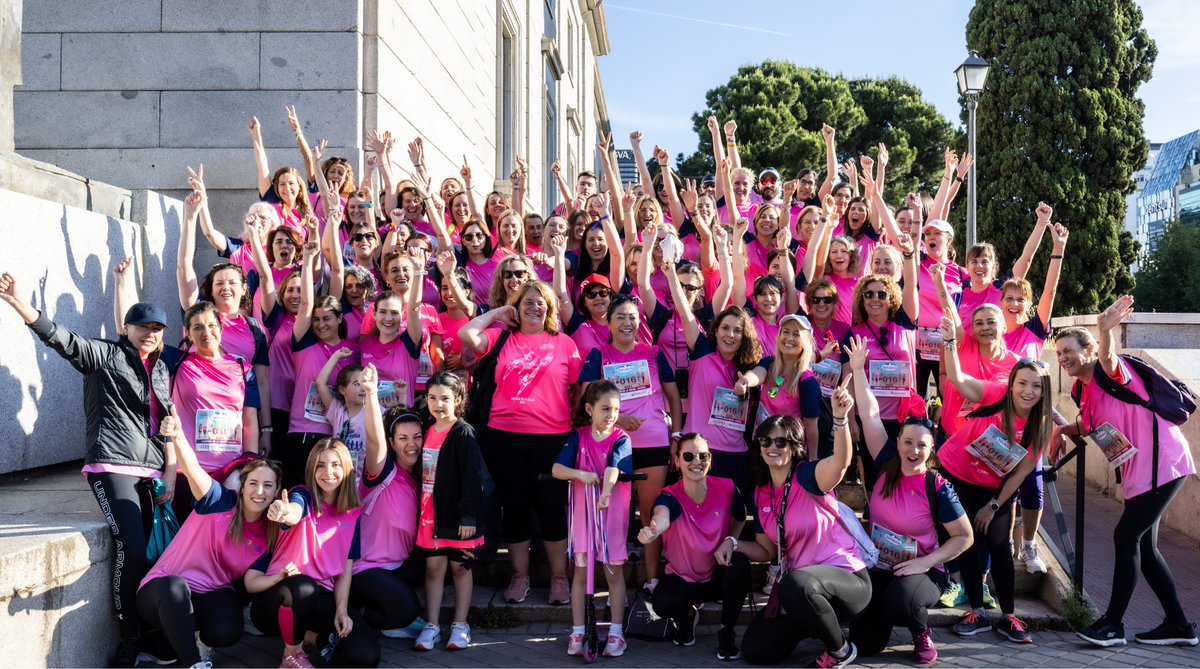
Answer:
x=116 y=395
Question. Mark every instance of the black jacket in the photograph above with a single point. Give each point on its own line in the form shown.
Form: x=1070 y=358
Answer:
x=458 y=485
x=116 y=395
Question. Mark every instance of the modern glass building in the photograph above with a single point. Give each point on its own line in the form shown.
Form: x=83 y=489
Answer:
x=1172 y=190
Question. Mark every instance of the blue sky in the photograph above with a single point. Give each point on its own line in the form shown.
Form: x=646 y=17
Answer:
x=666 y=54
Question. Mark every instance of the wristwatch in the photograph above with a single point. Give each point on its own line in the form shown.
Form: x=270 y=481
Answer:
x=994 y=505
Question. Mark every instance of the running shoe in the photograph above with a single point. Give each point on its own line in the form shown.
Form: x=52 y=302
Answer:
x=1034 y=564
x=989 y=601
x=685 y=628
x=429 y=637
x=205 y=650
x=1103 y=633
x=727 y=648
x=575 y=645
x=296 y=660
x=1169 y=634
x=411 y=632
x=1011 y=628
x=971 y=624
x=460 y=636
x=518 y=589
x=953 y=596
x=615 y=646
x=830 y=661
x=924 y=652
x=560 y=591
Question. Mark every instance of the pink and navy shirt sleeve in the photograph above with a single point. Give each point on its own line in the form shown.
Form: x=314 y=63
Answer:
x=806 y=477
x=621 y=455
x=569 y=455
x=666 y=373
x=950 y=508
x=218 y=499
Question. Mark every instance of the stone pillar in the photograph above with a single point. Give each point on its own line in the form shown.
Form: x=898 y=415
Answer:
x=10 y=66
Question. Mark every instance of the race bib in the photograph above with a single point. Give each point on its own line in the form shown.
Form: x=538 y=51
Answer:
x=761 y=415
x=424 y=367
x=1115 y=446
x=218 y=431
x=728 y=409
x=893 y=548
x=392 y=394
x=890 y=378
x=992 y=449
x=828 y=373
x=429 y=458
x=314 y=410
x=929 y=343
x=355 y=443
x=631 y=378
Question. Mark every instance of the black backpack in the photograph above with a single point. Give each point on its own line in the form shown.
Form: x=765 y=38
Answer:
x=1168 y=399
x=483 y=385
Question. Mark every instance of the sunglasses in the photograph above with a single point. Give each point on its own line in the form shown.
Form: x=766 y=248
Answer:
x=768 y=180
x=338 y=161
x=777 y=442
x=688 y=456
x=474 y=236
x=597 y=294
x=514 y=274
x=1030 y=361
x=362 y=237
x=808 y=182
x=875 y=295
x=823 y=300
x=690 y=289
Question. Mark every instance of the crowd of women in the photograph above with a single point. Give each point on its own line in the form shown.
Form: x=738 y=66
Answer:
x=390 y=378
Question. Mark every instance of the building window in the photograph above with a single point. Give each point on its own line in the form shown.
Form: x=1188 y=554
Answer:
x=551 y=133
x=571 y=47
x=507 y=117
x=550 y=15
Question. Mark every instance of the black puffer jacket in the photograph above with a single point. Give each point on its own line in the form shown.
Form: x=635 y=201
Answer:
x=116 y=395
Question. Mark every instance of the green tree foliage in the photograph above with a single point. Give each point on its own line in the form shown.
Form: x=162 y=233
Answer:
x=1059 y=121
x=1169 y=278
x=779 y=108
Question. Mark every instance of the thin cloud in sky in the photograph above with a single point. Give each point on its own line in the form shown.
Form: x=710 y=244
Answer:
x=696 y=20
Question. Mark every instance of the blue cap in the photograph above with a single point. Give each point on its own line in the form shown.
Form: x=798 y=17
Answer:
x=144 y=312
x=708 y=179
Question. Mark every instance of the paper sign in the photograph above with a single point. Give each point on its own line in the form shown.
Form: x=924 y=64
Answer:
x=392 y=394
x=828 y=373
x=1115 y=446
x=929 y=343
x=314 y=409
x=893 y=548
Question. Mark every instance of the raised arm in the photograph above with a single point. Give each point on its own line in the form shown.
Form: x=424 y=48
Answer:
x=416 y=290
x=616 y=253
x=673 y=202
x=791 y=296
x=310 y=161
x=881 y=161
x=831 y=163
x=262 y=167
x=727 y=266
x=718 y=147
x=557 y=246
x=739 y=291
x=942 y=197
x=691 y=329
x=124 y=292
x=830 y=470
x=376 y=434
x=1021 y=267
x=818 y=246
x=564 y=192
x=337 y=264
x=267 y=290
x=468 y=186
x=635 y=142
x=1046 y=301
x=304 y=315
x=472 y=334
x=873 y=431
x=322 y=382
x=1106 y=322
x=938 y=272
x=645 y=271
x=185 y=272
x=519 y=178
x=447 y=263
x=735 y=160
x=969 y=387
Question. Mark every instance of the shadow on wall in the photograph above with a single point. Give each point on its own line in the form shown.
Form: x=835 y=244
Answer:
x=80 y=635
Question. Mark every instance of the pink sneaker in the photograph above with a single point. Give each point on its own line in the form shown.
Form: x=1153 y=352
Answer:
x=518 y=589
x=924 y=652
x=296 y=660
x=575 y=645
x=560 y=592
x=615 y=646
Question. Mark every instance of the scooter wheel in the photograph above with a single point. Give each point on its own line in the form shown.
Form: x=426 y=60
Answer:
x=590 y=650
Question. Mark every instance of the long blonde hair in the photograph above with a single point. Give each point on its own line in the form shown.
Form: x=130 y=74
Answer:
x=791 y=372
x=345 y=497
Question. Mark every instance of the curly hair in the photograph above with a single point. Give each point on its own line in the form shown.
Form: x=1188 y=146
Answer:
x=543 y=289
x=497 y=296
x=749 y=352
x=893 y=291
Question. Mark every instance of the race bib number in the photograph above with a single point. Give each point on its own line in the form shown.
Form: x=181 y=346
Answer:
x=429 y=458
x=424 y=367
x=890 y=378
x=992 y=449
x=631 y=378
x=929 y=343
x=218 y=431
x=728 y=409
x=828 y=373
x=392 y=394
x=1115 y=446
x=893 y=548
x=314 y=410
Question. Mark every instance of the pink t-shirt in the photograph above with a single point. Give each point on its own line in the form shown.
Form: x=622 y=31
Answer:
x=745 y=210
x=354 y=321
x=283 y=371
x=906 y=511
x=589 y=335
x=209 y=396
x=389 y=518
x=352 y=430
x=975 y=365
x=845 y=290
x=756 y=262
x=713 y=409
x=813 y=531
x=397 y=360
x=695 y=534
x=534 y=374
x=1028 y=340
x=430 y=452
x=1135 y=423
x=884 y=365
x=318 y=545
x=429 y=322
x=971 y=300
x=767 y=332
x=202 y=552
x=639 y=374
x=237 y=338
x=309 y=355
x=836 y=331
x=962 y=464
x=610 y=526
x=931 y=306
x=481 y=277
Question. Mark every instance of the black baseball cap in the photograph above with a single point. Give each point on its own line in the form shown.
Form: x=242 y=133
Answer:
x=144 y=312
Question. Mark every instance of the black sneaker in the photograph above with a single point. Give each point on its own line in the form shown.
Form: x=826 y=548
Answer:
x=727 y=648
x=1169 y=634
x=1011 y=628
x=1103 y=633
x=126 y=654
x=685 y=628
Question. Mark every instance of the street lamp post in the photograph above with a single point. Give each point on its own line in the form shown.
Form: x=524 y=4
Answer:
x=971 y=76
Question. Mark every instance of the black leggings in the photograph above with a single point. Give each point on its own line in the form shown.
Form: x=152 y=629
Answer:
x=1136 y=542
x=314 y=608
x=515 y=461
x=972 y=564
x=167 y=603
x=293 y=456
x=126 y=506
x=817 y=600
x=388 y=597
x=896 y=601
x=673 y=596
x=925 y=369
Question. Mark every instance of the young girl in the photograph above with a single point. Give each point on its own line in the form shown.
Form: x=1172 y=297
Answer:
x=303 y=588
x=596 y=454
x=452 y=477
x=344 y=410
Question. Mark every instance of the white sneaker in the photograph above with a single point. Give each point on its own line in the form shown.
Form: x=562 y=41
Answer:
x=206 y=651
x=413 y=630
x=429 y=637
x=460 y=636
x=202 y=665
x=1034 y=564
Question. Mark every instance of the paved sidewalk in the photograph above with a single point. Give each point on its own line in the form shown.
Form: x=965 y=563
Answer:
x=544 y=645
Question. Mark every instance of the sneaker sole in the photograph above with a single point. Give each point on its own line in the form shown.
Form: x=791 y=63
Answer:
x=1103 y=643
x=512 y=600
x=1180 y=641
x=729 y=658
x=1006 y=636
x=971 y=632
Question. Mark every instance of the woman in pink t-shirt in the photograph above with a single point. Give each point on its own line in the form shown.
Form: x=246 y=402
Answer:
x=821 y=300
x=699 y=519
x=279 y=300
x=913 y=541
x=788 y=386
x=394 y=343
x=309 y=574
x=457 y=294
x=982 y=267
x=997 y=446
x=823 y=583
x=537 y=372
x=403 y=274
x=836 y=259
x=478 y=258
x=1150 y=479
x=1026 y=335
x=189 y=593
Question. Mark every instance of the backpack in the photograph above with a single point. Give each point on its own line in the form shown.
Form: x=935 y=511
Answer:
x=1168 y=399
x=483 y=384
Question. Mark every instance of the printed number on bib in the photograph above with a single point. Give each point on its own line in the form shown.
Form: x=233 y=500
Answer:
x=314 y=410
x=391 y=394
x=992 y=449
x=631 y=378
x=890 y=378
x=893 y=548
x=828 y=373
x=929 y=343
x=1116 y=447
x=218 y=431
x=424 y=367
x=728 y=409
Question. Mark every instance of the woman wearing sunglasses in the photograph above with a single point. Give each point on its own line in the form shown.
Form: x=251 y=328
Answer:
x=823 y=582
x=913 y=541
x=986 y=460
x=698 y=519
x=1150 y=479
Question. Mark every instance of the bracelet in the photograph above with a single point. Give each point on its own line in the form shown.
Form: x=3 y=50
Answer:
x=948 y=341
x=603 y=218
x=959 y=179
x=845 y=420
x=908 y=256
x=1057 y=257
x=266 y=430
x=734 y=540
x=421 y=273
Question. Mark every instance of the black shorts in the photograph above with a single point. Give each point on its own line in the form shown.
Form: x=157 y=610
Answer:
x=455 y=554
x=656 y=456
